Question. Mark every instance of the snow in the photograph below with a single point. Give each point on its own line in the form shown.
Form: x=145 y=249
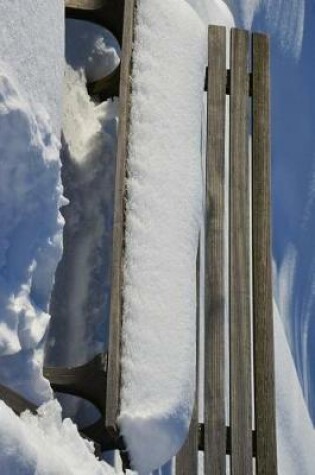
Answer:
x=80 y=301
x=92 y=48
x=31 y=76
x=213 y=12
x=30 y=186
x=284 y=17
x=164 y=213
x=45 y=445
x=32 y=48
x=30 y=235
x=295 y=432
x=163 y=220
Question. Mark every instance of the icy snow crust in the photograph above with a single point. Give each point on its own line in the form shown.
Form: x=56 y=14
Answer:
x=163 y=220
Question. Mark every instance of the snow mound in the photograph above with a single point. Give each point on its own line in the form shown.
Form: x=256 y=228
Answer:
x=30 y=235
x=92 y=48
x=164 y=189
x=45 y=445
x=295 y=431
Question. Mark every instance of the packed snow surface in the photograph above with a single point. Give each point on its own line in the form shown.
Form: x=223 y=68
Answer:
x=32 y=47
x=164 y=190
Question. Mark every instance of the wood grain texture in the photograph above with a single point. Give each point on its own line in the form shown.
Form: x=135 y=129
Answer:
x=215 y=265
x=187 y=458
x=239 y=278
x=266 y=460
x=116 y=305
x=84 y=4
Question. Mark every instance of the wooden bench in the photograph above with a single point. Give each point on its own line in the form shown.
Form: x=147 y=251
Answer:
x=237 y=266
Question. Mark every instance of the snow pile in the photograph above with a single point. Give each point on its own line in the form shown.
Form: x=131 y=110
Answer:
x=295 y=432
x=30 y=236
x=92 y=48
x=163 y=219
x=80 y=301
x=45 y=445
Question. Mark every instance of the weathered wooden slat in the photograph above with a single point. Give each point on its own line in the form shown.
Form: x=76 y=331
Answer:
x=113 y=367
x=215 y=265
x=266 y=460
x=239 y=280
x=187 y=459
x=84 y=4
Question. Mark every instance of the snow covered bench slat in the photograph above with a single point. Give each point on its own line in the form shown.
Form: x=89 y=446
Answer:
x=113 y=368
x=215 y=298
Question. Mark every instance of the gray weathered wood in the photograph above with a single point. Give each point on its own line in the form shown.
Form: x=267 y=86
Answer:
x=239 y=281
x=84 y=4
x=215 y=265
x=187 y=458
x=266 y=460
x=113 y=367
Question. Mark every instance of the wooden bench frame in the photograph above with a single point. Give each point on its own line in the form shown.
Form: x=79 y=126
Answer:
x=98 y=381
